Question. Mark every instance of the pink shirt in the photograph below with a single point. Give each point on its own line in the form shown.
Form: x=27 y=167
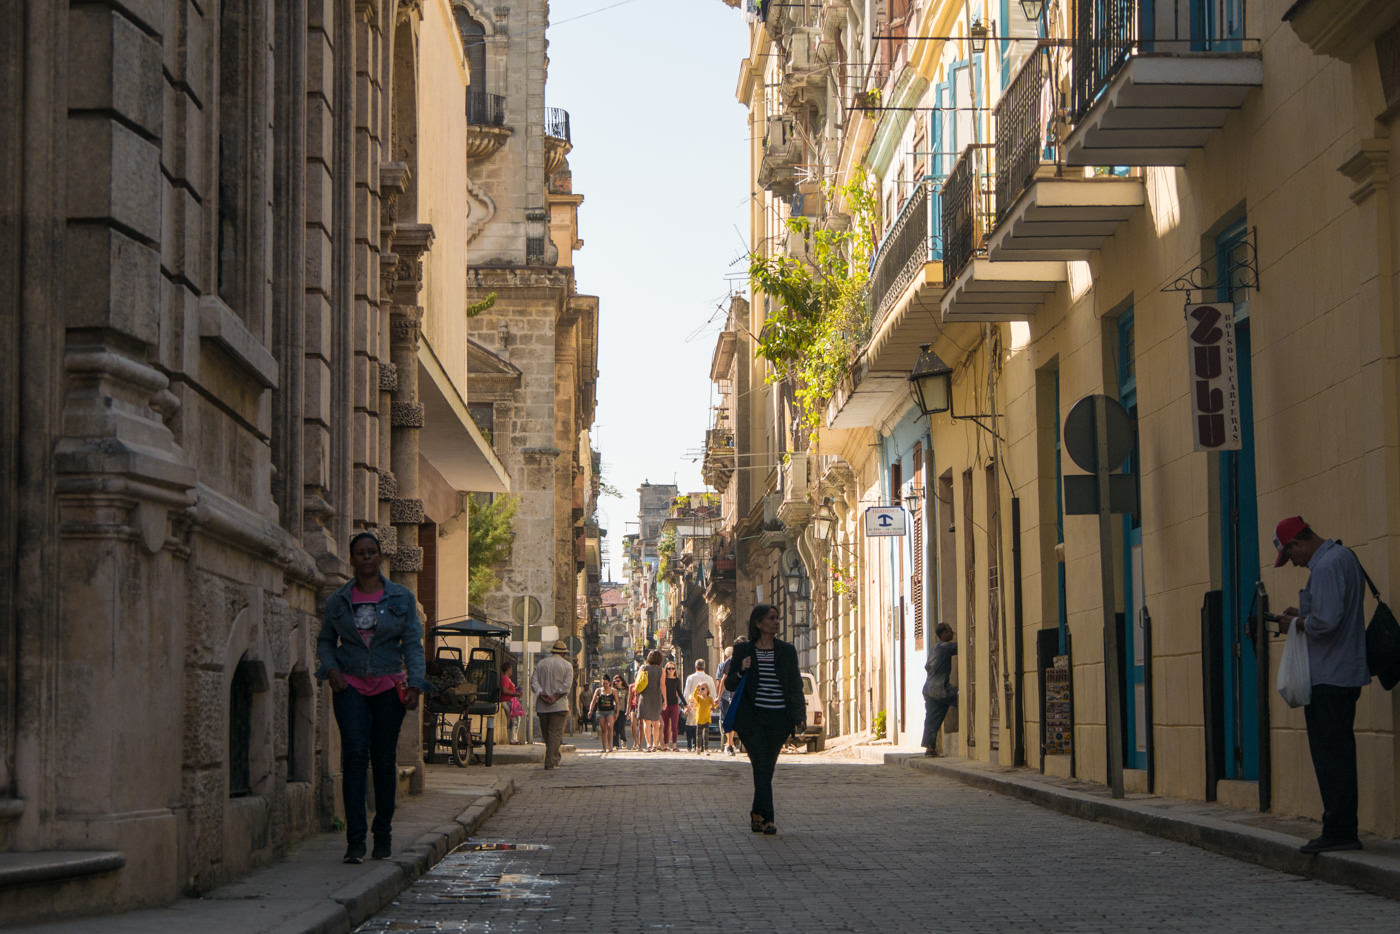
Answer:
x=365 y=608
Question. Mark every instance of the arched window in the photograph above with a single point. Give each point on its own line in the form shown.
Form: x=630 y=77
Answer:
x=249 y=678
x=474 y=48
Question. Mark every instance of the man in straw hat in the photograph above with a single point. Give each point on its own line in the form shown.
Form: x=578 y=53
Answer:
x=1331 y=612
x=551 y=681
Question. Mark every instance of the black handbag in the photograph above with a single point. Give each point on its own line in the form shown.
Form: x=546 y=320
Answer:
x=1382 y=639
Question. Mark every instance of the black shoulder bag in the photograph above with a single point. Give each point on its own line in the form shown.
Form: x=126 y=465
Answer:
x=1382 y=638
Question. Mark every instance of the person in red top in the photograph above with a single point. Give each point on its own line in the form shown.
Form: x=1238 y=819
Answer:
x=510 y=696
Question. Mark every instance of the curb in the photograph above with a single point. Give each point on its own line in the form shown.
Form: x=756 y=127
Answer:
x=1262 y=847
x=357 y=902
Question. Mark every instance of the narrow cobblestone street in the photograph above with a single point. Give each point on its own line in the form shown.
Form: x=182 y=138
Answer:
x=659 y=842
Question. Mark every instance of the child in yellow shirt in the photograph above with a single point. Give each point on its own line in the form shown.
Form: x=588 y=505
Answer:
x=703 y=702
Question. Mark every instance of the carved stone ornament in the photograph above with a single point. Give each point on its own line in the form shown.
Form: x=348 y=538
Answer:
x=388 y=485
x=407 y=559
x=407 y=9
x=406 y=511
x=405 y=323
x=406 y=414
x=388 y=377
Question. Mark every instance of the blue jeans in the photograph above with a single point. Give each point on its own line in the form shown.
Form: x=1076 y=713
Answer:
x=369 y=738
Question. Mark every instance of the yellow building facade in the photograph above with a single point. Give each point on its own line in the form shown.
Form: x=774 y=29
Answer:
x=1057 y=223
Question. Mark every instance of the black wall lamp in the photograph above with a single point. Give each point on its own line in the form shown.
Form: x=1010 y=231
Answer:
x=931 y=385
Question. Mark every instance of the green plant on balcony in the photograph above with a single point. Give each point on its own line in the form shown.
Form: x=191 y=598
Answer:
x=822 y=316
x=666 y=551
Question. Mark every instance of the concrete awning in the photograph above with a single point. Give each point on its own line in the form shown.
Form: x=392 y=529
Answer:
x=449 y=438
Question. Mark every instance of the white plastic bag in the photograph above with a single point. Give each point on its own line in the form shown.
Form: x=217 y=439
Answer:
x=1294 y=676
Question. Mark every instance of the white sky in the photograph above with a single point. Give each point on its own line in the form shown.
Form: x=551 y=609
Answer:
x=661 y=157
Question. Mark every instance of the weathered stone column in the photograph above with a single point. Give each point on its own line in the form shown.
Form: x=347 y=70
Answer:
x=411 y=241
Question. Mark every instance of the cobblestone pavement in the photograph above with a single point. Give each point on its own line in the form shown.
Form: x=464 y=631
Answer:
x=660 y=842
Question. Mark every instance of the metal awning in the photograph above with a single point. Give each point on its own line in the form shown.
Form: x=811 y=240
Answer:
x=449 y=437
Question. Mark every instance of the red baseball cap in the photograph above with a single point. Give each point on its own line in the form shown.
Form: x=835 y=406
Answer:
x=1287 y=530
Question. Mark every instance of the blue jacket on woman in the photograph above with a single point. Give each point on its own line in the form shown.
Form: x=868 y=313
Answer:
x=789 y=680
x=397 y=644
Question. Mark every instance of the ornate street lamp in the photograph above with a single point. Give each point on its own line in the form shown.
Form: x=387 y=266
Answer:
x=823 y=522
x=1032 y=9
x=977 y=36
x=794 y=579
x=931 y=382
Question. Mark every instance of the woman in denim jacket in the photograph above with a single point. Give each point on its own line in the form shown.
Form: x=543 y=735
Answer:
x=370 y=634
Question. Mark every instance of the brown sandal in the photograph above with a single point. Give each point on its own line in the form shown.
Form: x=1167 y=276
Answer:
x=756 y=823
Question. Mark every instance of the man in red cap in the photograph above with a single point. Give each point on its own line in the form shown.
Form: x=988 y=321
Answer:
x=1331 y=611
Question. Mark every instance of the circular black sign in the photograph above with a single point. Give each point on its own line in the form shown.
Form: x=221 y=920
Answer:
x=1080 y=439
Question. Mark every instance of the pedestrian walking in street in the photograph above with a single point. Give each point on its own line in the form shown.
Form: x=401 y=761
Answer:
x=938 y=696
x=620 y=726
x=370 y=649
x=694 y=679
x=671 y=709
x=510 y=696
x=726 y=696
x=702 y=702
x=1331 y=612
x=603 y=709
x=771 y=705
x=550 y=682
x=649 y=703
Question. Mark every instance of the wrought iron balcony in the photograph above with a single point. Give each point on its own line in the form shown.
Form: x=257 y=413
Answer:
x=486 y=109
x=975 y=288
x=1021 y=118
x=1151 y=82
x=1043 y=213
x=556 y=124
x=905 y=249
x=486 y=129
x=966 y=209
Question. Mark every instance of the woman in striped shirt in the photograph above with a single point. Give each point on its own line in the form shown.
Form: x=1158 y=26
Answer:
x=771 y=705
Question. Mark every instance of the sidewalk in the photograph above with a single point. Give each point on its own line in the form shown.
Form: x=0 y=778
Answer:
x=311 y=891
x=1249 y=836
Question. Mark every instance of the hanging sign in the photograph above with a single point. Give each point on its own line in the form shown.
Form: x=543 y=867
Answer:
x=1215 y=385
x=884 y=520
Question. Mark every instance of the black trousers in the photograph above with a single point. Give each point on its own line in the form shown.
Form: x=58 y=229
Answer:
x=1330 y=718
x=763 y=735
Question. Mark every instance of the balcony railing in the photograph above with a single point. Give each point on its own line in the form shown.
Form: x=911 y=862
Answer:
x=1109 y=32
x=485 y=109
x=556 y=124
x=966 y=210
x=904 y=250
x=1022 y=116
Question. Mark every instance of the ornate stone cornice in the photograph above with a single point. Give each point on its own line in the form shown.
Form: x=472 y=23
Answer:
x=1341 y=28
x=1369 y=168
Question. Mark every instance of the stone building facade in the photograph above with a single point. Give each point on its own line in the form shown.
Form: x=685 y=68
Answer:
x=536 y=345
x=231 y=242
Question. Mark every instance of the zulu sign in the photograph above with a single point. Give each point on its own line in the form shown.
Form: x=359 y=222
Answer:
x=1215 y=390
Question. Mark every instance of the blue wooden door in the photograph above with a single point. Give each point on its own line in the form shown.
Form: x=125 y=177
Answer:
x=1134 y=661
x=1217 y=25
x=1239 y=541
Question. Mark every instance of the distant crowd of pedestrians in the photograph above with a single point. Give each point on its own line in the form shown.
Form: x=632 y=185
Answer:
x=657 y=707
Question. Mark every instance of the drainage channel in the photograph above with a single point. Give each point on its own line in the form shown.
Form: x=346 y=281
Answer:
x=473 y=875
